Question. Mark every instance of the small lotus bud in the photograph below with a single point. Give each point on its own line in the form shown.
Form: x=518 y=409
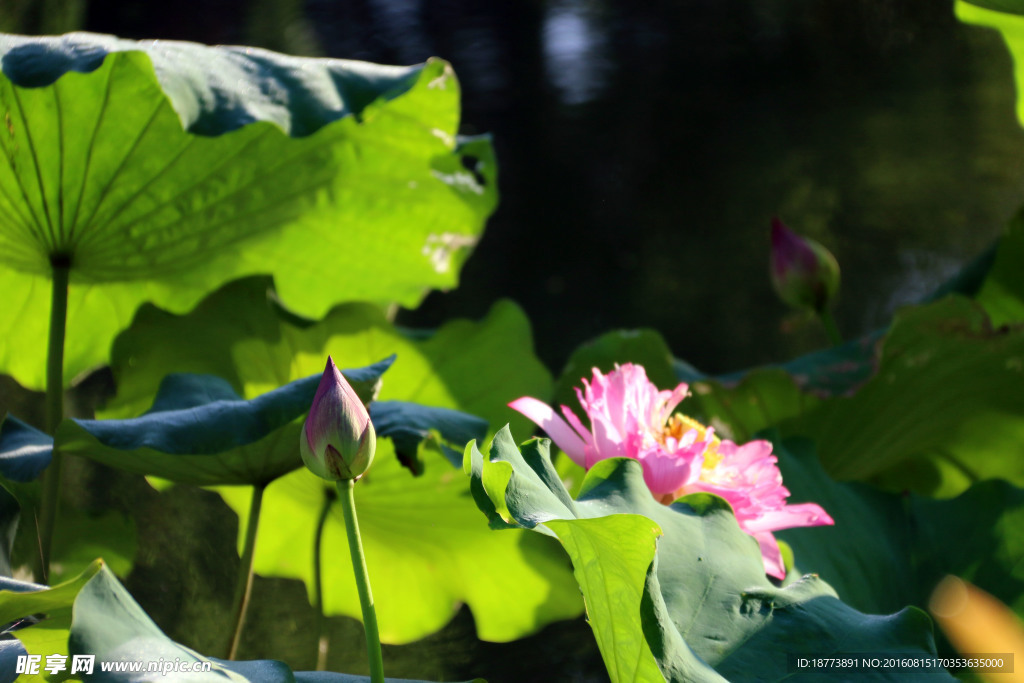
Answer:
x=805 y=274
x=338 y=439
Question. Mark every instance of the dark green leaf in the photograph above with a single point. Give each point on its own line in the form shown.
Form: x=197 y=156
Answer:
x=895 y=548
x=200 y=432
x=24 y=450
x=946 y=394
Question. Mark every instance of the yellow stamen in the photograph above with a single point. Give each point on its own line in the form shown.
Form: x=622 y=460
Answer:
x=678 y=425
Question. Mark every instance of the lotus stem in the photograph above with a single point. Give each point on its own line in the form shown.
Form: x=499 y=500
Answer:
x=355 y=545
x=831 y=329
x=243 y=585
x=318 y=581
x=49 y=504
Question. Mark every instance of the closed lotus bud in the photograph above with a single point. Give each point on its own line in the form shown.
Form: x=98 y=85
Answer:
x=338 y=439
x=805 y=274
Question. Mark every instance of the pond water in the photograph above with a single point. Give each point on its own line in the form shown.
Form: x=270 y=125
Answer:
x=643 y=149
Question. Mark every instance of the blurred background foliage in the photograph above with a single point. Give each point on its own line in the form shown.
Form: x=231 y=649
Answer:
x=644 y=147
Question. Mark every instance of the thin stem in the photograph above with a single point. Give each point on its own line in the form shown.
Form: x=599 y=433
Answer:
x=829 y=323
x=243 y=585
x=318 y=581
x=54 y=414
x=355 y=546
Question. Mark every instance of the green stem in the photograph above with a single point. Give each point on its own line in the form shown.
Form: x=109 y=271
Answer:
x=318 y=581
x=243 y=585
x=829 y=323
x=355 y=546
x=54 y=414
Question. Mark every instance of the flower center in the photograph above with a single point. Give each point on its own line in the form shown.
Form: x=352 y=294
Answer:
x=680 y=424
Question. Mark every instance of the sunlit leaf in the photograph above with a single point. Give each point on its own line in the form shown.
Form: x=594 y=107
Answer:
x=426 y=545
x=158 y=171
x=1007 y=17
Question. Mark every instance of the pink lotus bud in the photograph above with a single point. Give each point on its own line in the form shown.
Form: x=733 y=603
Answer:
x=338 y=439
x=804 y=273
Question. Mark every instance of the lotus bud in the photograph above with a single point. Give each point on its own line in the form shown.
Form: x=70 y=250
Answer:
x=805 y=274
x=338 y=439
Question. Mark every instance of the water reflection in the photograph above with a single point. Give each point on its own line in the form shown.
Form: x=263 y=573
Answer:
x=574 y=43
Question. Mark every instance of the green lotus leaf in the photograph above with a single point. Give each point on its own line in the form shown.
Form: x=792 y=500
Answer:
x=157 y=171
x=200 y=432
x=714 y=606
x=24 y=450
x=941 y=412
x=1002 y=293
x=241 y=334
x=21 y=603
x=897 y=547
x=1007 y=17
x=427 y=548
x=94 y=615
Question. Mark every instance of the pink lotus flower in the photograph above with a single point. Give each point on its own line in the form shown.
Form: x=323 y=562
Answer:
x=750 y=481
x=630 y=418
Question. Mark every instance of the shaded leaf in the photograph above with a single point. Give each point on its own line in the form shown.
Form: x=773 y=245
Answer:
x=946 y=395
x=80 y=536
x=1002 y=293
x=24 y=450
x=896 y=547
x=200 y=432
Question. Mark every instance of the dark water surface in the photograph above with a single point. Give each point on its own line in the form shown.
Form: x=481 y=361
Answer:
x=643 y=148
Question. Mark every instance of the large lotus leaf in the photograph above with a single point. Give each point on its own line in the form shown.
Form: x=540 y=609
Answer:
x=94 y=615
x=199 y=431
x=709 y=573
x=240 y=334
x=946 y=399
x=427 y=547
x=896 y=547
x=159 y=170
